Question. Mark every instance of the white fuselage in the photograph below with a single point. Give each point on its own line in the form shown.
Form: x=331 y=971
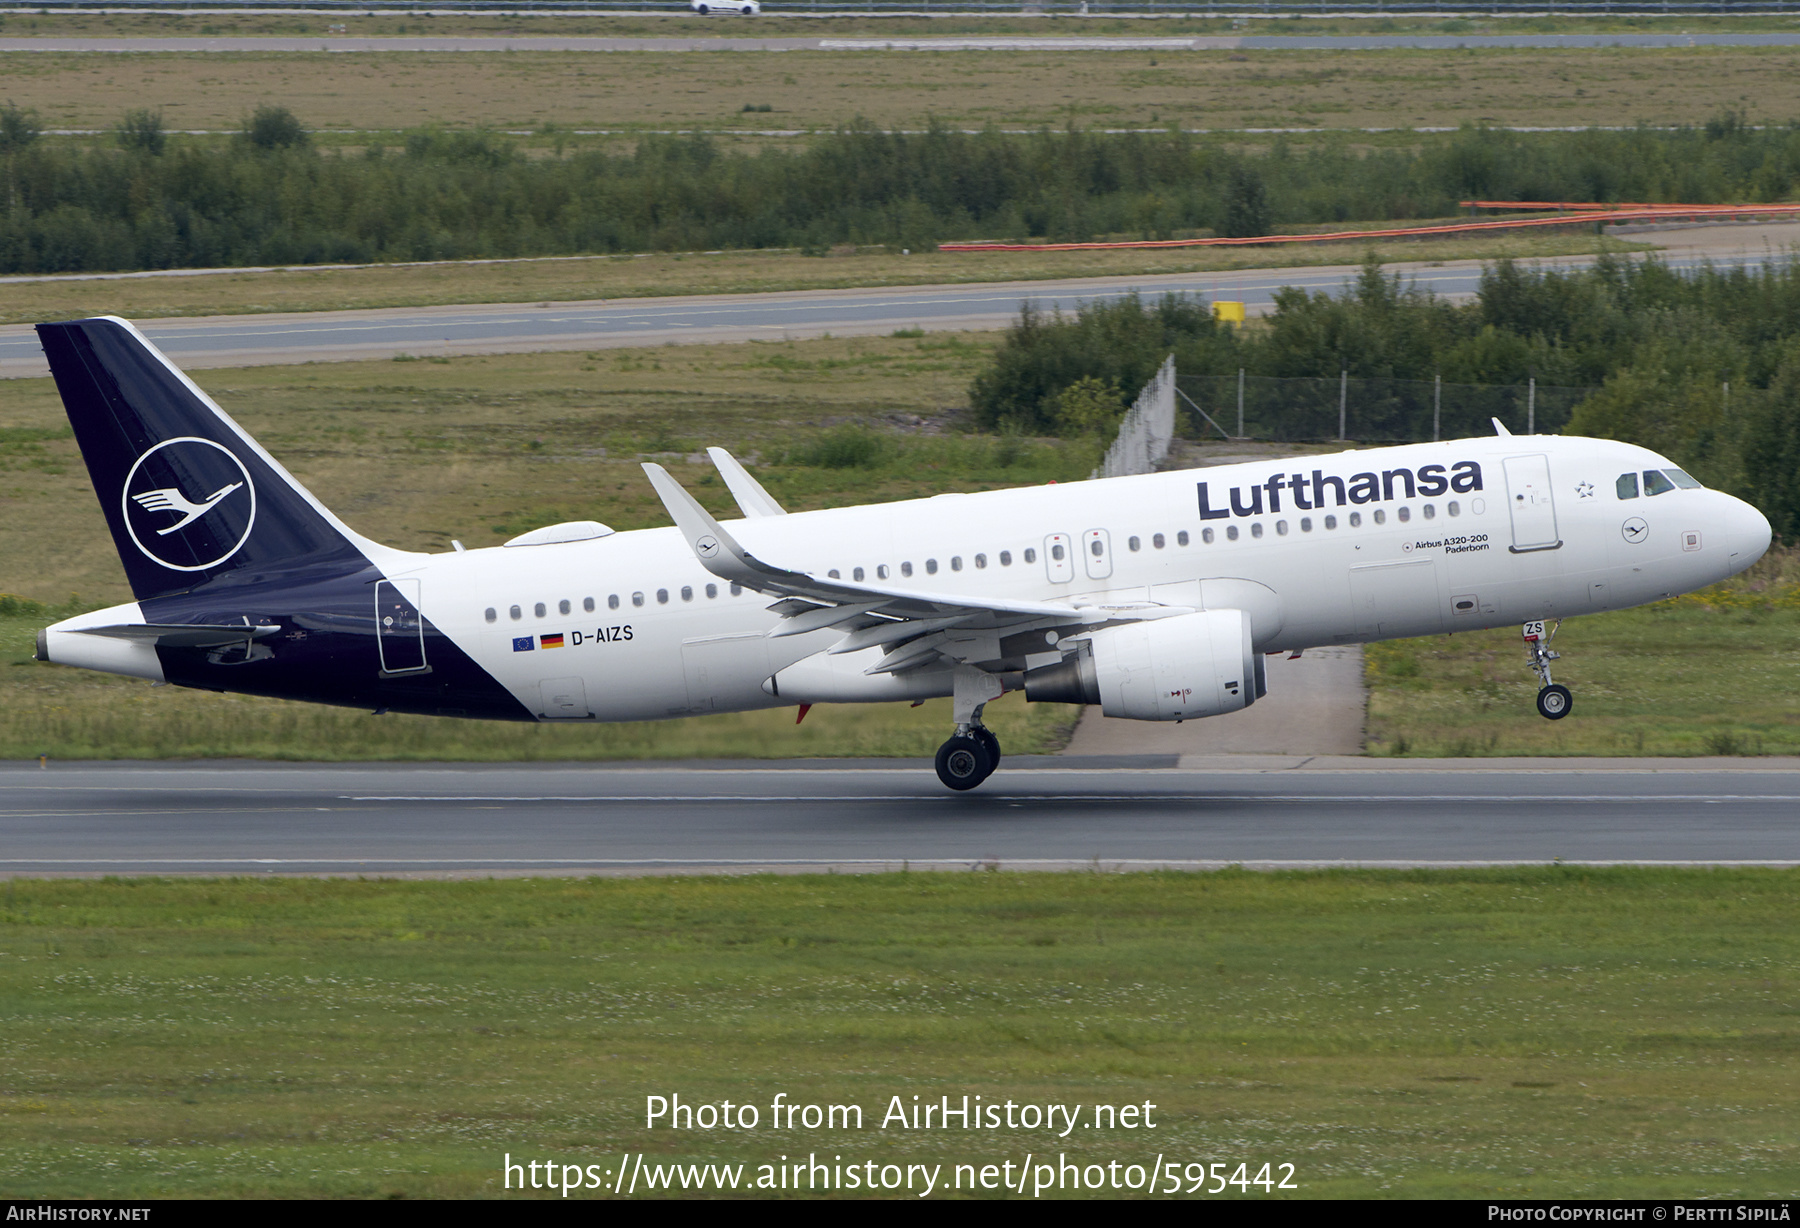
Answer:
x=1545 y=534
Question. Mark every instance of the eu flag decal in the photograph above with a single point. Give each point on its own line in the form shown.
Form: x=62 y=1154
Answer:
x=523 y=644
x=551 y=641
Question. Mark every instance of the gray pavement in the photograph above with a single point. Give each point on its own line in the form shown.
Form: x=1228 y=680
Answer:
x=290 y=337
x=1033 y=814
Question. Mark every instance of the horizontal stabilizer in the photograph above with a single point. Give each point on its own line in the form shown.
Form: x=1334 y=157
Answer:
x=183 y=635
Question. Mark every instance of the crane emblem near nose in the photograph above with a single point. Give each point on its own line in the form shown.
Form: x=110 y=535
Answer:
x=1635 y=529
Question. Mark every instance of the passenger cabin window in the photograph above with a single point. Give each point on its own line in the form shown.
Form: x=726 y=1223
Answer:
x=662 y=596
x=856 y=573
x=1306 y=524
x=833 y=573
x=1453 y=507
x=1430 y=511
x=1656 y=484
x=612 y=601
x=1056 y=552
x=881 y=572
x=1030 y=554
x=491 y=615
x=980 y=562
x=1627 y=486
x=637 y=599
x=563 y=606
x=737 y=588
x=1181 y=538
x=956 y=562
x=1231 y=533
x=1356 y=520
x=515 y=613
x=906 y=569
x=1006 y=558
x=1404 y=514
x=1133 y=544
x=1331 y=522
x=1206 y=535
x=1256 y=529
x=539 y=610
x=1281 y=528
x=1380 y=516
x=1156 y=539
x=587 y=604
x=687 y=592
x=712 y=590
x=931 y=567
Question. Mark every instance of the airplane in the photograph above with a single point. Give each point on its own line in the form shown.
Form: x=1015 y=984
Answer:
x=1155 y=597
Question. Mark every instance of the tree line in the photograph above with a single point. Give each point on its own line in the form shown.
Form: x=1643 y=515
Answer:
x=1701 y=365
x=271 y=195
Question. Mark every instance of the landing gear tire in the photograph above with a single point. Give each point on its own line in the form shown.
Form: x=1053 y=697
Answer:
x=1554 y=702
x=963 y=762
x=986 y=737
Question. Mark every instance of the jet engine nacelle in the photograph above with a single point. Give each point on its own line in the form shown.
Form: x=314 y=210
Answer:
x=1166 y=669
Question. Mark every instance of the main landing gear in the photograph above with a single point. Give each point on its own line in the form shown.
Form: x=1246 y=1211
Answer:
x=969 y=757
x=1553 y=699
x=973 y=752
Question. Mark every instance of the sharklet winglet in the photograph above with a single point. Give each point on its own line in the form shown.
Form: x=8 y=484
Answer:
x=751 y=498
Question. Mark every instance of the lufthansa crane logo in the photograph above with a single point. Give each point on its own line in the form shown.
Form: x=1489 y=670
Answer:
x=189 y=504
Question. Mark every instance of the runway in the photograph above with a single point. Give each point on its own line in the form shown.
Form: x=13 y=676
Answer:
x=334 y=336
x=246 y=818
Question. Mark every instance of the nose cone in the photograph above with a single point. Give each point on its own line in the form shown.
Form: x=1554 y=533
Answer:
x=1747 y=534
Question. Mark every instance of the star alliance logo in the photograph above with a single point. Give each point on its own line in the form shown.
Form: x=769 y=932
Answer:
x=188 y=504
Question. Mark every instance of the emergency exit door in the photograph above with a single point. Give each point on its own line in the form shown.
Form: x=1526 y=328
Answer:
x=1529 y=500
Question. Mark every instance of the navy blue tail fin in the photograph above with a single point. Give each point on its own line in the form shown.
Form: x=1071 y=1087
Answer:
x=188 y=495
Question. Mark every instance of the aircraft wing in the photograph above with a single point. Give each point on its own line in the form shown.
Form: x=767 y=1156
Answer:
x=915 y=626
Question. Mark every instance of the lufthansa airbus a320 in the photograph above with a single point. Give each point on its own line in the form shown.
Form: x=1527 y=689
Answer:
x=1154 y=597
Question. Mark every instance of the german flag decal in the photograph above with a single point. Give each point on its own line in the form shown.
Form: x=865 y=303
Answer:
x=551 y=641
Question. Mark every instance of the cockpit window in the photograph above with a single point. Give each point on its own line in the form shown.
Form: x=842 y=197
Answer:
x=1656 y=484
x=1627 y=486
x=1681 y=479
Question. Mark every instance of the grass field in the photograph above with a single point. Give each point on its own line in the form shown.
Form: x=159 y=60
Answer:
x=416 y=453
x=806 y=90
x=1712 y=673
x=779 y=25
x=661 y=274
x=1538 y=1032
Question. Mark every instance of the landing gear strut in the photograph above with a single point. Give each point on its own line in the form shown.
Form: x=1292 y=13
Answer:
x=973 y=752
x=1553 y=699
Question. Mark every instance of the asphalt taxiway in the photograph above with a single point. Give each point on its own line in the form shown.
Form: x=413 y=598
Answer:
x=1118 y=813
x=336 y=336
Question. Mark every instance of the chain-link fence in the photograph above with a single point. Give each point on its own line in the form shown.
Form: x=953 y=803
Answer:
x=1367 y=410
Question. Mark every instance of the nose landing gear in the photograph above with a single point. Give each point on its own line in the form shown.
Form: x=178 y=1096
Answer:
x=1553 y=699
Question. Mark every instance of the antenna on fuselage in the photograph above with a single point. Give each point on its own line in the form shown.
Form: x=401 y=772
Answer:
x=1500 y=427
